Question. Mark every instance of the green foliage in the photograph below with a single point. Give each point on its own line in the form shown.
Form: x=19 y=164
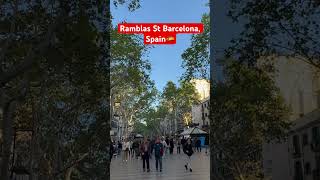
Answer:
x=57 y=53
x=289 y=27
x=247 y=111
x=132 y=5
x=196 y=59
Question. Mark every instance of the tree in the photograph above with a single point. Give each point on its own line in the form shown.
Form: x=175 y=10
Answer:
x=288 y=27
x=130 y=76
x=196 y=60
x=247 y=110
x=177 y=102
x=62 y=47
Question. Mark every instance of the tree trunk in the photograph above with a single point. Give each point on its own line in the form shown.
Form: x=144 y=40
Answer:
x=68 y=173
x=7 y=133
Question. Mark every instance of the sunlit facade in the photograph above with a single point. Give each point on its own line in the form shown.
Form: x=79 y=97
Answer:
x=202 y=87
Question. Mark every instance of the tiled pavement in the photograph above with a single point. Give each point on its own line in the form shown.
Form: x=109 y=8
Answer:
x=173 y=168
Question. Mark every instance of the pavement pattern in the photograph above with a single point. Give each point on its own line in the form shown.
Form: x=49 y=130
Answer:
x=173 y=168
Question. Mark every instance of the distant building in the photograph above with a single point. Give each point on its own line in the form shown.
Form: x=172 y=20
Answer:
x=202 y=87
x=299 y=157
x=200 y=113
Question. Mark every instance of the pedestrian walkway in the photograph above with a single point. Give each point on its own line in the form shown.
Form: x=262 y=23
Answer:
x=173 y=168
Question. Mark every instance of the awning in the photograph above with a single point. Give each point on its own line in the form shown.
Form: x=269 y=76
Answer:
x=193 y=131
x=138 y=136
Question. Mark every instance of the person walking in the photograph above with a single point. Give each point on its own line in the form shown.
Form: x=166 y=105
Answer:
x=145 y=152
x=158 y=153
x=198 y=145
x=131 y=149
x=171 y=145
x=119 y=147
x=187 y=149
x=135 y=148
x=126 y=146
x=165 y=147
x=152 y=143
x=178 y=146
x=168 y=145
x=183 y=141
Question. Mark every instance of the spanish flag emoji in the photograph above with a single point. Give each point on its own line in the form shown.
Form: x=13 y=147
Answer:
x=170 y=38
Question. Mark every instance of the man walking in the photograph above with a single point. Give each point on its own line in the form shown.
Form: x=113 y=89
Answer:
x=158 y=153
x=198 y=145
x=178 y=146
x=171 y=145
x=145 y=152
x=187 y=149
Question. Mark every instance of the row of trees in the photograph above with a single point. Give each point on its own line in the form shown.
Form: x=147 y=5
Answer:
x=55 y=81
x=171 y=111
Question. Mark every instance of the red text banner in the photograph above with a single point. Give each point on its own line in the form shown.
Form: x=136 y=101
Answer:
x=160 y=33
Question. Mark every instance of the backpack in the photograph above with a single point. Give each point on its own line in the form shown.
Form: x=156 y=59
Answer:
x=161 y=151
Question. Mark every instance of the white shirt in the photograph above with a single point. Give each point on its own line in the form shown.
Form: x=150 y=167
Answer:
x=126 y=145
x=164 y=144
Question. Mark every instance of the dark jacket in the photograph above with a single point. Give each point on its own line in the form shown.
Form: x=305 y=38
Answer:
x=171 y=143
x=142 y=148
x=187 y=149
x=183 y=141
x=158 y=147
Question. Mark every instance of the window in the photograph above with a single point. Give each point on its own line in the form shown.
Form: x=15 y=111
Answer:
x=298 y=171
x=305 y=139
x=301 y=103
x=206 y=114
x=315 y=134
x=307 y=168
x=296 y=145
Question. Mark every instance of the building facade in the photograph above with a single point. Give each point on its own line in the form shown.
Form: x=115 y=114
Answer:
x=297 y=158
x=200 y=113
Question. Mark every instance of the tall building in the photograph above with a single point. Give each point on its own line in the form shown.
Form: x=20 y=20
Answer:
x=200 y=111
x=299 y=157
x=202 y=87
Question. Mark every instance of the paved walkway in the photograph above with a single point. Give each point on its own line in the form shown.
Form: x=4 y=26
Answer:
x=173 y=168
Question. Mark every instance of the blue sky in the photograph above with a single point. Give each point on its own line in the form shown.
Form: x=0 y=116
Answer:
x=165 y=59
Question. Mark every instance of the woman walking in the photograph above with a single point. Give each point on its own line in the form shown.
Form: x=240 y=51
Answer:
x=165 y=146
x=145 y=152
x=188 y=150
x=125 y=149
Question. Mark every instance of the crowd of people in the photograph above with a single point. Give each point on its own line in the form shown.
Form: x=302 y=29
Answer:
x=157 y=147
